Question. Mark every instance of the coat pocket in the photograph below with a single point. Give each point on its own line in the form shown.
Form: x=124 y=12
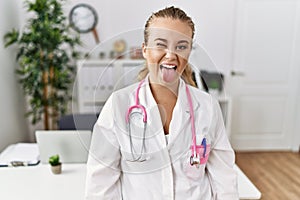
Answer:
x=196 y=172
x=193 y=172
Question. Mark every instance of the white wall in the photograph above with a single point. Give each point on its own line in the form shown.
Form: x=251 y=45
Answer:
x=214 y=21
x=13 y=126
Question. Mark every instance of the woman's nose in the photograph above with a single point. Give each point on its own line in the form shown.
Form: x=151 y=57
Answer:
x=170 y=54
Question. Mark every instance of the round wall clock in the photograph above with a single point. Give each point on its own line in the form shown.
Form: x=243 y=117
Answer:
x=83 y=18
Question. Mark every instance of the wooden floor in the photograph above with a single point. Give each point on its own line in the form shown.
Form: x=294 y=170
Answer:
x=275 y=174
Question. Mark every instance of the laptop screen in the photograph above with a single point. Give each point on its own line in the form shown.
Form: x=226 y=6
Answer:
x=71 y=145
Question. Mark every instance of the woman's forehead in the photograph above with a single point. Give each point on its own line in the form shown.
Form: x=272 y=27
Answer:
x=167 y=35
x=170 y=29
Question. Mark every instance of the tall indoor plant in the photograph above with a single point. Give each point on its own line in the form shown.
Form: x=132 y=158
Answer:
x=45 y=53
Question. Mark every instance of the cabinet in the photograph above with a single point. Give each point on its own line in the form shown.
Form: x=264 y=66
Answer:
x=97 y=79
x=226 y=105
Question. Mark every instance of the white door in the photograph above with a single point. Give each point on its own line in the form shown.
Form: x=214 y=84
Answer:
x=265 y=72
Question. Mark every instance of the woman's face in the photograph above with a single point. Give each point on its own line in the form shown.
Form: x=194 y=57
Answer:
x=168 y=49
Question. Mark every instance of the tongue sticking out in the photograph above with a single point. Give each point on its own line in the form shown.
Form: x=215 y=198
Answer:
x=168 y=74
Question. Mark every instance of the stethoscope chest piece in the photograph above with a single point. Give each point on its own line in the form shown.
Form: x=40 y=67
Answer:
x=135 y=119
x=195 y=160
x=197 y=157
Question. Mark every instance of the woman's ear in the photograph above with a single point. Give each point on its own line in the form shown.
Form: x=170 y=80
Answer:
x=144 y=50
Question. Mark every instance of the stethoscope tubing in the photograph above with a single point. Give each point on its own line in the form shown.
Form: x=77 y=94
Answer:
x=192 y=116
x=137 y=105
x=195 y=158
x=139 y=158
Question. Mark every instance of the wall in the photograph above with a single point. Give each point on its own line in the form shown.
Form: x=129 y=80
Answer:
x=12 y=122
x=125 y=19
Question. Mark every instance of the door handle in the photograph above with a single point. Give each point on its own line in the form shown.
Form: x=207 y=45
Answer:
x=237 y=73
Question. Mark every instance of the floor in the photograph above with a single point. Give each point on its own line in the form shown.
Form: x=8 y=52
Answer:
x=275 y=174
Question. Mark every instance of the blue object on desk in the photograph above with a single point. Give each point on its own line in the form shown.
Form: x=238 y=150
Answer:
x=78 y=121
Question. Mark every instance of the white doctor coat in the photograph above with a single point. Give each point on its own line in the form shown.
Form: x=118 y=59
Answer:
x=164 y=172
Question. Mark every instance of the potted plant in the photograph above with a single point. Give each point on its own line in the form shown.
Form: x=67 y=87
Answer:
x=45 y=53
x=214 y=88
x=55 y=164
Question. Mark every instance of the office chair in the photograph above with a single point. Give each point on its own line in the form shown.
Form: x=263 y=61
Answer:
x=78 y=121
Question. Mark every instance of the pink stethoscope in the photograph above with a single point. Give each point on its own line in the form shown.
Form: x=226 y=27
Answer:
x=195 y=159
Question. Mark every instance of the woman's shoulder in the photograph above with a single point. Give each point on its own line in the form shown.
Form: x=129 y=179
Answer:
x=125 y=91
x=200 y=94
x=119 y=99
x=202 y=97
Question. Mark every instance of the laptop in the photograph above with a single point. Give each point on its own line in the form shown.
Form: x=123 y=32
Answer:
x=72 y=146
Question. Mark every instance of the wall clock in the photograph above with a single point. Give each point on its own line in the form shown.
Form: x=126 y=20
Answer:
x=83 y=18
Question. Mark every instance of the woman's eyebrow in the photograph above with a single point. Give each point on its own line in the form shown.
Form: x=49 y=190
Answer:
x=183 y=41
x=161 y=39
x=165 y=41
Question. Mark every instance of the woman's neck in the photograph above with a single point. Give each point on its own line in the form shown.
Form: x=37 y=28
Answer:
x=165 y=98
x=160 y=91
x=165 y=89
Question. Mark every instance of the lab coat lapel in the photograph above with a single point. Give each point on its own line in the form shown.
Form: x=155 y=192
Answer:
x=154 y=125
x=180 y=123
x=180 y=128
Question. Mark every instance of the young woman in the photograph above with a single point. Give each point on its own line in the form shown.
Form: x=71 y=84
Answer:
x=162 y=138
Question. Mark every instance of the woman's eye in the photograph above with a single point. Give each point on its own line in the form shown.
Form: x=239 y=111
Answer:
x=181 y=47
x=161 y=45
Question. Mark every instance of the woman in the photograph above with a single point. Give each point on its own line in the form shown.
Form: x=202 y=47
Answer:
x=143 y=146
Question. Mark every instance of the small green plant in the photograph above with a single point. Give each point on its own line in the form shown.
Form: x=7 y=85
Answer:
x=54 y=160
x=214 y=85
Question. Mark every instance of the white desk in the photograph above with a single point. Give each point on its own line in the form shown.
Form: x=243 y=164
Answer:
x=246 y=188
x=38 y=183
